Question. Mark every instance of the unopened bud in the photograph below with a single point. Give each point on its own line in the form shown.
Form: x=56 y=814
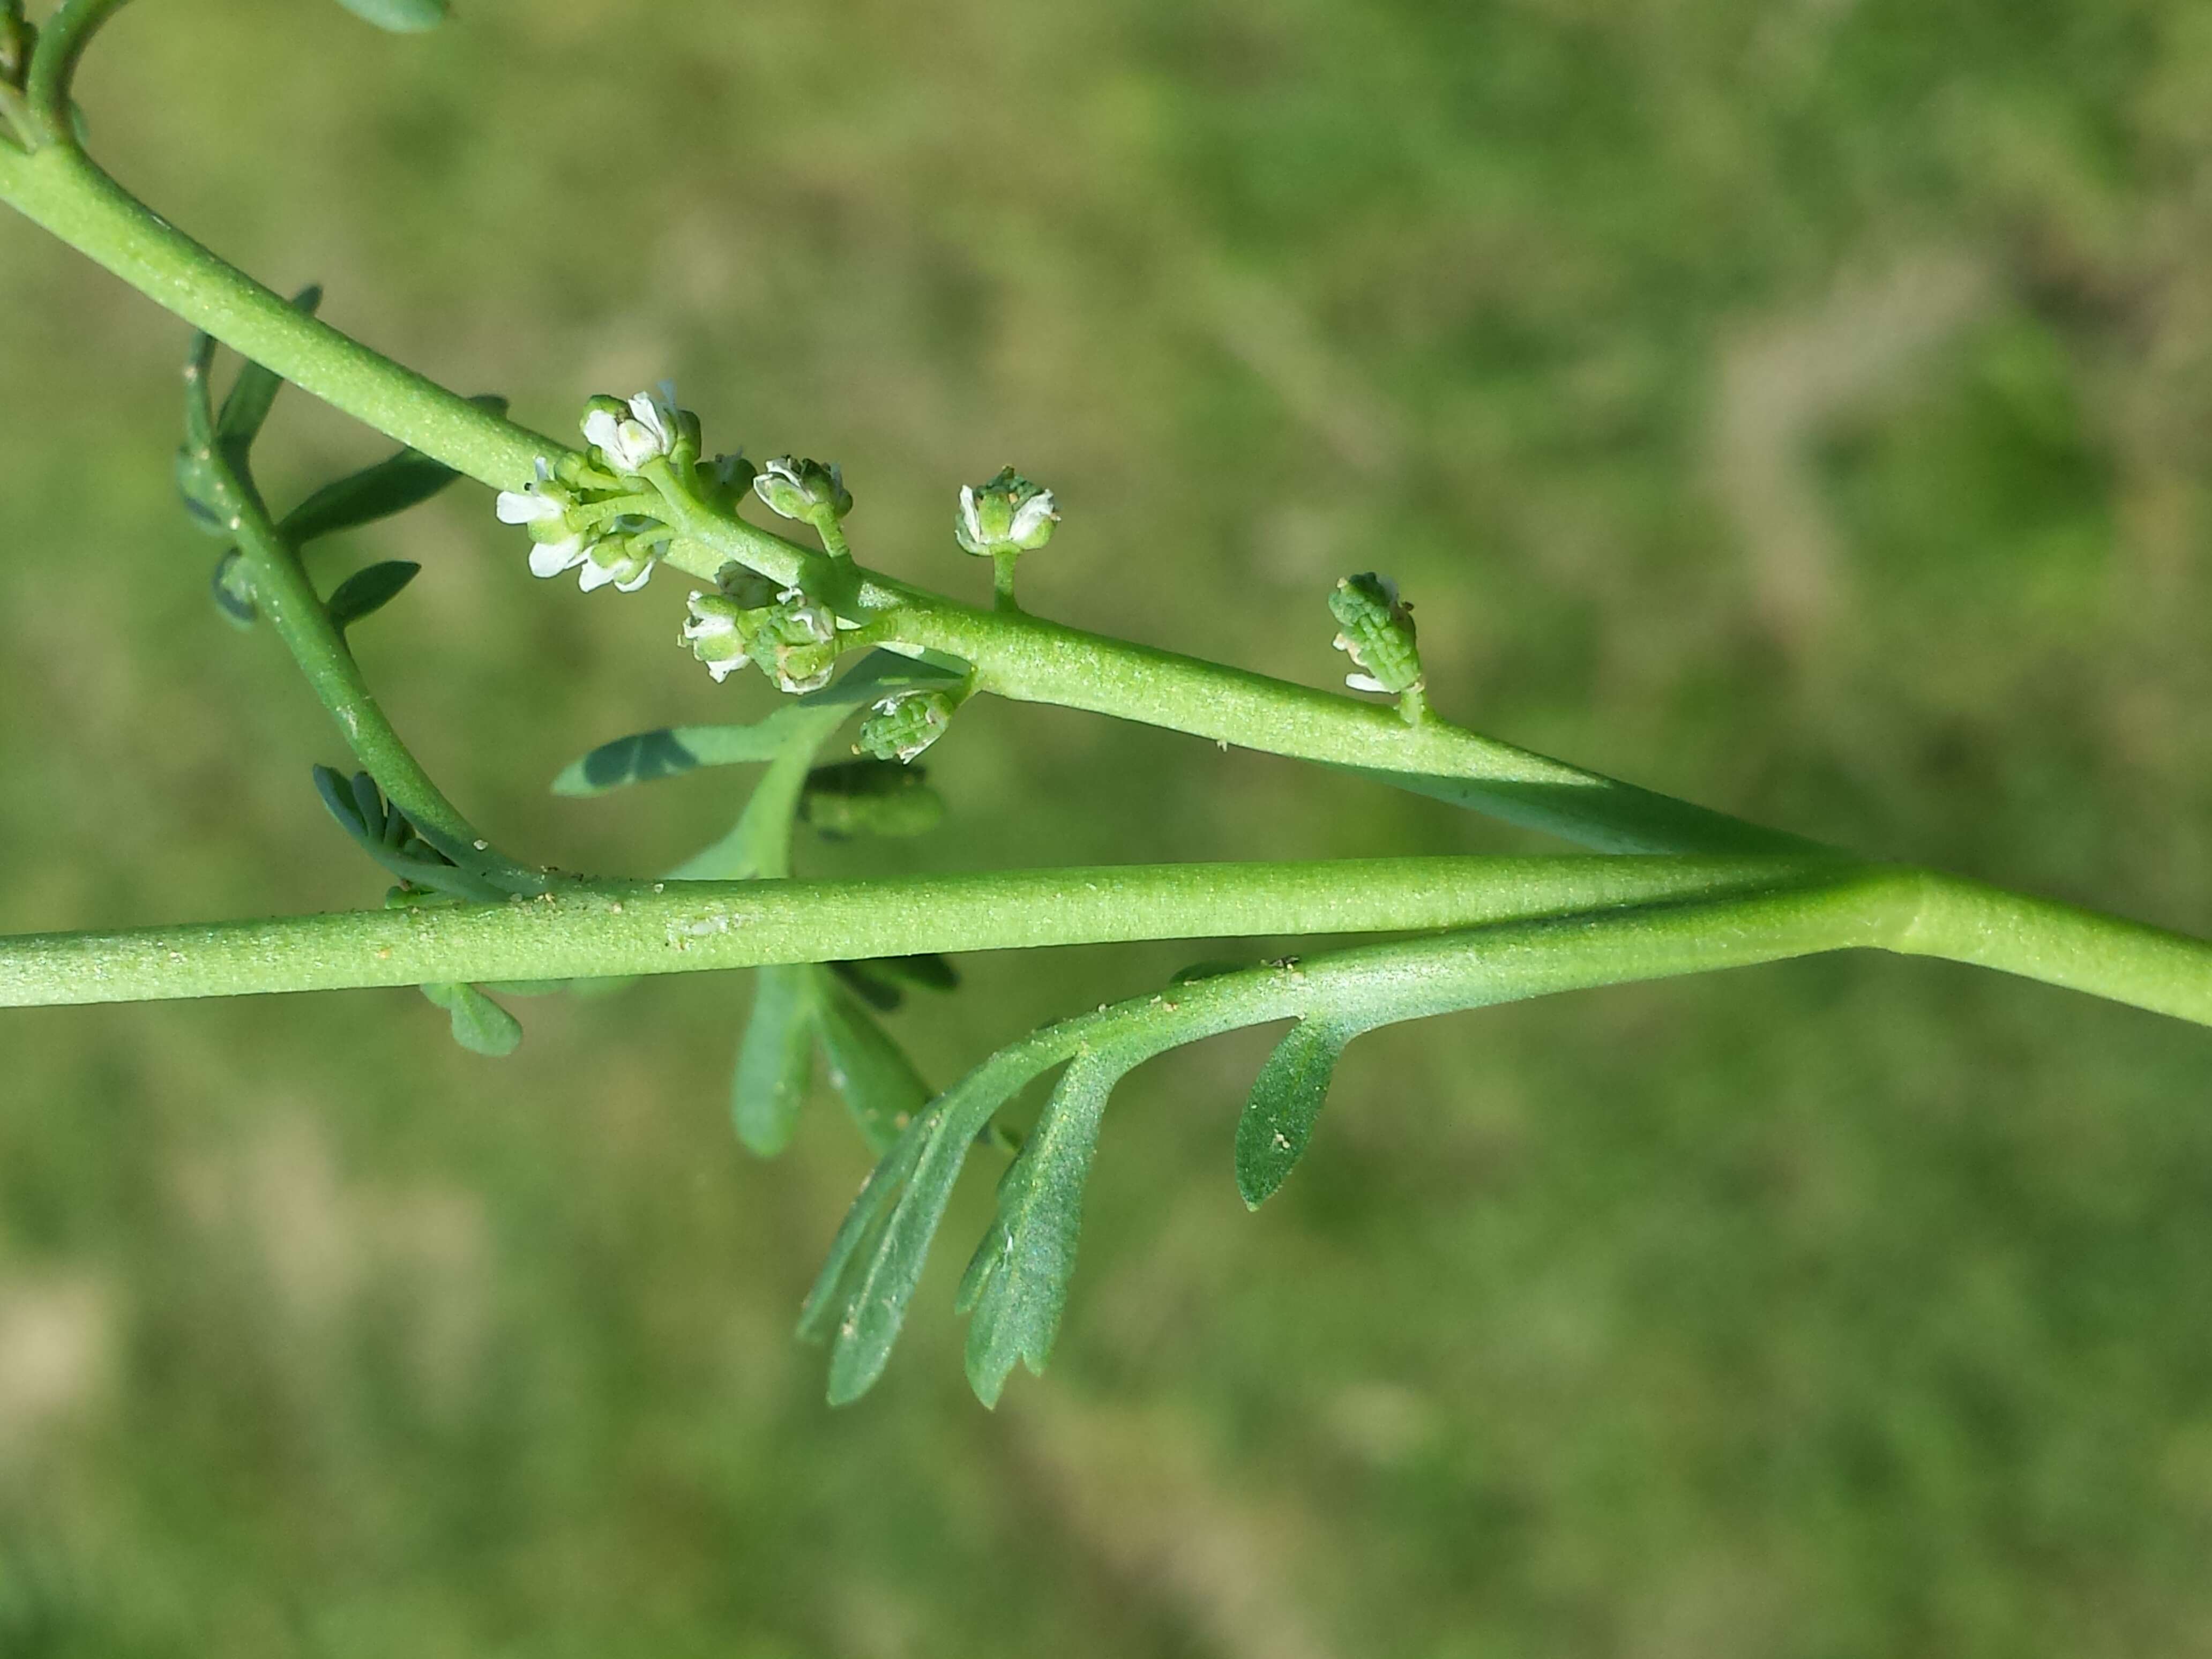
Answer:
x=904 y=723
x=796 y=643
x=1377 y=634
x=1009 y=514
x=803 y=490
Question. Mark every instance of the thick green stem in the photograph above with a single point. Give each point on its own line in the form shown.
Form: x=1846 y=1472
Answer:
x=680 y=926
x=691 y=927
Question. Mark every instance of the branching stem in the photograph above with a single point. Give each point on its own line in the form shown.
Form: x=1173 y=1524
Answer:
x=622 y=930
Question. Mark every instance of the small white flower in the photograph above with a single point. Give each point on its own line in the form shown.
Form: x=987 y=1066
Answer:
x=646 y=434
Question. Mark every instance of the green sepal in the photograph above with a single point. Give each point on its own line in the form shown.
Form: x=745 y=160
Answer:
x=775 y=1059
x=480 y=1025
x=253 y=393
x=368 y=591
x=231 y=587
x=870 y=798
x=400 y=16
x=1279 y=1116
x=672 y=750
x=870 y=1071
x=1016 y=1285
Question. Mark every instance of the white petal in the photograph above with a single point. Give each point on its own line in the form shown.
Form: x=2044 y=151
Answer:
x=517 y=507
x=1030 y=515
x=599 y=428
x=968 y=514
x=722 y=669
x=596 y=575
x=551 y=558
x=648 y=411
x=631 y=446
x=1364 y=682
x=636 y=581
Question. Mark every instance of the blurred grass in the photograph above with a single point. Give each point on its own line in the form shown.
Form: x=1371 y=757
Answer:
x=1802 y=407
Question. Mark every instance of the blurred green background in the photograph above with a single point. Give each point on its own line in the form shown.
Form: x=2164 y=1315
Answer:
x=1799 y=405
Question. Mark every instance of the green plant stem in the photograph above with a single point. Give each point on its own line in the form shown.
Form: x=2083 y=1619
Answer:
x=53 y=65
x=1015 y=654
x=301 y=620
x=63 y=191
x=685 y=926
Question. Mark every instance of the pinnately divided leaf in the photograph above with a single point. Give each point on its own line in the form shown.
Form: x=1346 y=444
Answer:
x=775 y=1060
x=864 y=1293
x=1016 y=1282
x=1279 y=1117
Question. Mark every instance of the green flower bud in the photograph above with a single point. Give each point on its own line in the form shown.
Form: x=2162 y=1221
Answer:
x=904 y=723
x=802 y=490
x=722 y=624
x=1377 y=634
x=796 y=643
x=1009 y=514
